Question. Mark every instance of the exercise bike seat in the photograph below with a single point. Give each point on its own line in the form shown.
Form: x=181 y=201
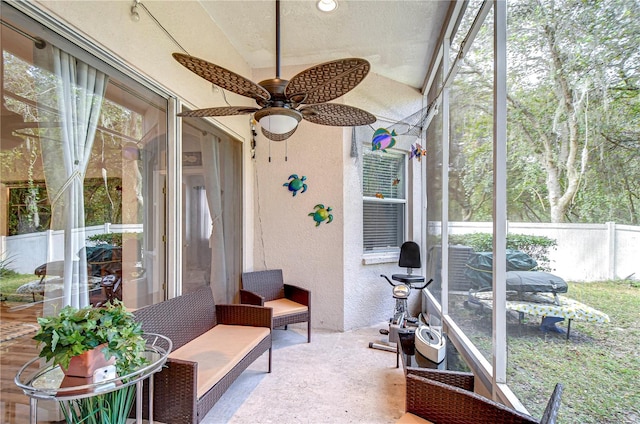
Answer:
x=408 y=278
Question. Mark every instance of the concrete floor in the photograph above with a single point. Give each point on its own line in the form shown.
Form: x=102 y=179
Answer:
x=336 y=378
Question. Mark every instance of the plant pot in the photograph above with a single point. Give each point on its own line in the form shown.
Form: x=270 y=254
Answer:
x=86 y=363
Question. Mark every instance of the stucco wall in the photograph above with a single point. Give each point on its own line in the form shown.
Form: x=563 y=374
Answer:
x=326 y=259
x=285 y=236
x=368 y=297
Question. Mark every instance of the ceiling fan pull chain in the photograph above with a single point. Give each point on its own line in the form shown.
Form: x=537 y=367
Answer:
x=269 y=150
x=286 y=149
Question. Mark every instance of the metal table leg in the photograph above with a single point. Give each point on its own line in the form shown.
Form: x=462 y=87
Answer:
x=33 y=410
x=139 y=402
x=151 y=399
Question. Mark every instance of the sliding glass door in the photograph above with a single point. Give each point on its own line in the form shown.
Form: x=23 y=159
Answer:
x=82 y=208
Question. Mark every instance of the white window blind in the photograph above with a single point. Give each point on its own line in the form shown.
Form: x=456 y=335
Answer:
x=384 y=199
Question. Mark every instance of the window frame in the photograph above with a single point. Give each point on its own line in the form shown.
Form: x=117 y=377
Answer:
x=379 y=252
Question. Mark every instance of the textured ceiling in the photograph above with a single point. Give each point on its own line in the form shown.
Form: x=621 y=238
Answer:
x=396 y=37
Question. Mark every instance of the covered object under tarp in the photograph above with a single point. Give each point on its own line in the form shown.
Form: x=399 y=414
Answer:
x=520 y=277
x=535 y=282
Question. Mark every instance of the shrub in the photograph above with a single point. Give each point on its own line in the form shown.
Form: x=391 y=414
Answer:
x=114 y=239
x=5 y=262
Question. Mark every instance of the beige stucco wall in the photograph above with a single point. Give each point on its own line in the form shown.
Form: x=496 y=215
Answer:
x=279 y=233
x=327 y=259
x=368 y=297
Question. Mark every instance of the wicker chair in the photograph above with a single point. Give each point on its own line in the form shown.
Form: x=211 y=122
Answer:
x=291 y=304
x=447 y=397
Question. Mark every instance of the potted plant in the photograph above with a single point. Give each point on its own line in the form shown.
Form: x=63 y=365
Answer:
x=103 y=335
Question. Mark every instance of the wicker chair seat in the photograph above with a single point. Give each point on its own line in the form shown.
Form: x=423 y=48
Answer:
x=218 y=350
x=285 y=307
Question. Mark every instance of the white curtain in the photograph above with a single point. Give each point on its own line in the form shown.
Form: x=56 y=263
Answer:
x=212 y=183
x=79 y=92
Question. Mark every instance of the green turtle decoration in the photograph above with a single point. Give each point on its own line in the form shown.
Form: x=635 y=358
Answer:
x=296 y=184
x=321 y=214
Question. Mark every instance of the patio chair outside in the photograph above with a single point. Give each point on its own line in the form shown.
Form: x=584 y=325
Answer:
x=447 y=397
x=291 y=304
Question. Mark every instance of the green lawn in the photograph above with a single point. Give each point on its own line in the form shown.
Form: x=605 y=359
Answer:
x=599 y=365
x=10 y=283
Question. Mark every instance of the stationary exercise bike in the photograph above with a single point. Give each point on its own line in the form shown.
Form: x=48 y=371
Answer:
x=402 y=321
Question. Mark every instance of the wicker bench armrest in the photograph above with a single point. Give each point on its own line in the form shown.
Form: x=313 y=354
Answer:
x=251 y=298
x=462 y=380
x=297 y=294
x=174 y=395
x=256 y=316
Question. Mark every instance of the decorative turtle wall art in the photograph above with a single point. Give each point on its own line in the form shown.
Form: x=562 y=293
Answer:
x=321 y=214
x=296 y=184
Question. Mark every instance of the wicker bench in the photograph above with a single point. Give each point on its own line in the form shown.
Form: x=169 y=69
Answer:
x=212 y=345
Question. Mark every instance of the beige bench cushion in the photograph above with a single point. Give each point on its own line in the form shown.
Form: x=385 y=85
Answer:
x=409 y=418
x=218 y=350
x=285 y=307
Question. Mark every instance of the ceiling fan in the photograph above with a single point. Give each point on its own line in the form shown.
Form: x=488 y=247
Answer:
x=284 y=103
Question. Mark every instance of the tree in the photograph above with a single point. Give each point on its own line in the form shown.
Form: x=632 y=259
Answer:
x=574 y=121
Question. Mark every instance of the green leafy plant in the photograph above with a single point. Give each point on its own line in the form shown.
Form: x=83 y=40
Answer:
x=114 y=239
x=5 y=263
x=75 y=331
x=108 y=408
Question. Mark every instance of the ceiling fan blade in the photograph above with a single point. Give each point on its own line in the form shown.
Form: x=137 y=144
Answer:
x=218 y=111
x=222 y=77
x=278 y=137
x=336 y=115
x=327 y=81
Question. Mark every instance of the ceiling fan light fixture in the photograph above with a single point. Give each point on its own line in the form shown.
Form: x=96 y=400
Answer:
x=327 y=5
x=278 y=120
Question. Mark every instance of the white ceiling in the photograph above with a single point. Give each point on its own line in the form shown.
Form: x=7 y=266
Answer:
x=396 y=36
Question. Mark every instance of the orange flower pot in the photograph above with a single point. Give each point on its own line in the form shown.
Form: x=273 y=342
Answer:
x=86 y=363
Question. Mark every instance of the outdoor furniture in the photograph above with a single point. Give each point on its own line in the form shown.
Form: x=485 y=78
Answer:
x=40 y=286
x=545 y=305
x=291 y=304
x=46 y=381
x=447 y=397
x=212 y=345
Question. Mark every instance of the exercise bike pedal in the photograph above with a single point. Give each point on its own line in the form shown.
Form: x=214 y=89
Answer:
x=412 y=320
x=384 y=331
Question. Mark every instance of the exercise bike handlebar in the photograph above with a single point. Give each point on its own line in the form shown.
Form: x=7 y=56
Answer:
x=413 y=287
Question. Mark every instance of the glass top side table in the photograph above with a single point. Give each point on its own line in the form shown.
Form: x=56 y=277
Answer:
x=44 y=381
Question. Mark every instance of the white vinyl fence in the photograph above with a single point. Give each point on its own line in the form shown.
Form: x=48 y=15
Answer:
x=585 y=252
x=26 y=252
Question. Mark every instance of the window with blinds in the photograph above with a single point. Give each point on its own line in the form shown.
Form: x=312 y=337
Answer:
x=384 y=200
